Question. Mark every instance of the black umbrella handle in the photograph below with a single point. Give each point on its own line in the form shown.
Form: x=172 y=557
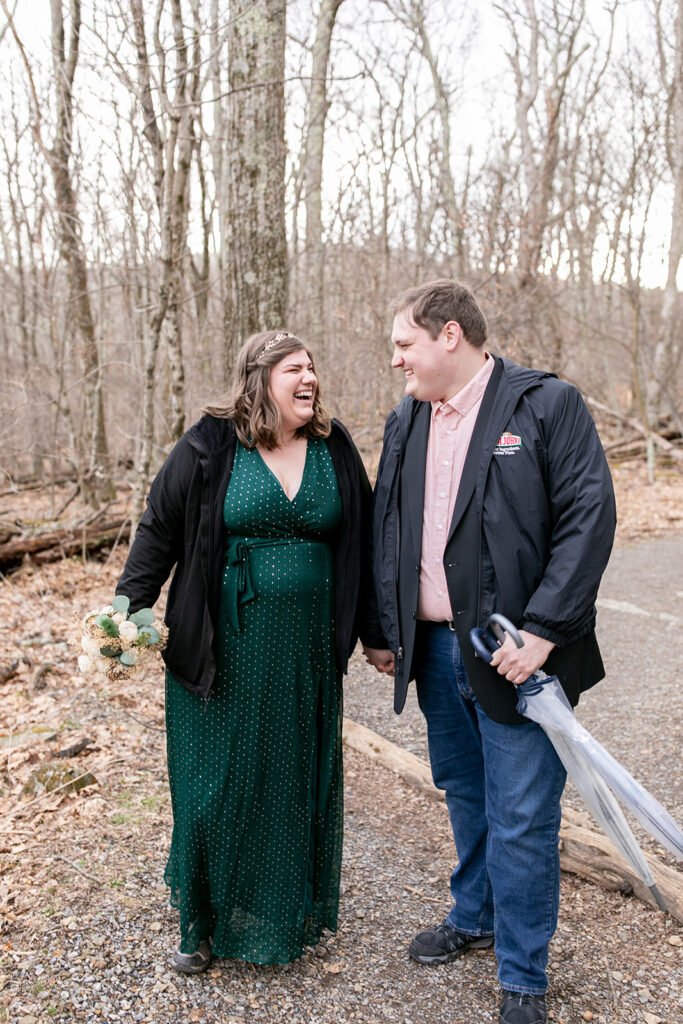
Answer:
x=487 y=641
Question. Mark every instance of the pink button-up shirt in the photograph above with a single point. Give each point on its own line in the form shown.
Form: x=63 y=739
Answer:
x=450 y=433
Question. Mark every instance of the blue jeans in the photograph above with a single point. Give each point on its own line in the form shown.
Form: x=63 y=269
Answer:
x=503 y=786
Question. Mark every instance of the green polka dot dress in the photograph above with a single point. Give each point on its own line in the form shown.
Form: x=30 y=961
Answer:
x=256 y=771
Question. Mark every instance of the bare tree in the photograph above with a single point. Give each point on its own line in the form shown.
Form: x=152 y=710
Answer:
x=256 y=244
x=667 y=348
x=95 y=472
x=413 y=15
x=313 y=170
x=168 y=132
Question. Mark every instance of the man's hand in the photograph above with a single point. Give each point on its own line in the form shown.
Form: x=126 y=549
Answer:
x=382 y=660
x=518 y=663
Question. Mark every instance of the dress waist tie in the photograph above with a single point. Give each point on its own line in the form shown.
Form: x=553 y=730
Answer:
x=237 y=586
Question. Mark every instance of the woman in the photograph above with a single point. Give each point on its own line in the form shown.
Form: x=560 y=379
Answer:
x=263 y=508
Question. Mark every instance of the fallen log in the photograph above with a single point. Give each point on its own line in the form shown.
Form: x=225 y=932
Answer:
x=52 y=545
x=583 y=850
x=589 y=853
x=659 y=442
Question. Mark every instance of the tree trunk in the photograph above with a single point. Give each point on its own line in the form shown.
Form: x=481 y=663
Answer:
x=96 y=476
x=667 y=345
x=313 y=172
x=256 y=286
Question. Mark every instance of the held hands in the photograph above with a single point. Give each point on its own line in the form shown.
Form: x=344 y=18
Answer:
x=382 y=660
x=518 y=663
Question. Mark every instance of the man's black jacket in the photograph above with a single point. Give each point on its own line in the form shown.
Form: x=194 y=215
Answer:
x=182 y=525
x=530 y=537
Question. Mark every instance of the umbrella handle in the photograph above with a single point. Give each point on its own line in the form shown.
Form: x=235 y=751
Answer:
x=499 y=626
x=487 y=641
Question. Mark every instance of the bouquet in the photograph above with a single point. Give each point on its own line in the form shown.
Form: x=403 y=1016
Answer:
x=119 y=645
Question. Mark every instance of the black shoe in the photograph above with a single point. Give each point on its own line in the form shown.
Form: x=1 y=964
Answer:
x=442 y=944
x=520 y=1008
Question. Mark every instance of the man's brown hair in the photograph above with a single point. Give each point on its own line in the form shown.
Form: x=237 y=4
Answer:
x=435 y=303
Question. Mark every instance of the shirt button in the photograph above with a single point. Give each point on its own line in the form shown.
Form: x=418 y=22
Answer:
x=437 y=559
x=441 y=593
x=440 y=526
x=449 y=431
x=443 y=495
x=445 y=462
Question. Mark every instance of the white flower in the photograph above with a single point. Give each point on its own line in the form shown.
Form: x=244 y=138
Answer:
x=85 y=665
x=107 y=610
x=128 y=631
x=91 y=646
x=119 y=617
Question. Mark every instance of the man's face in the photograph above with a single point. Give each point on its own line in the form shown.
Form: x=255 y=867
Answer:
x=426 y=362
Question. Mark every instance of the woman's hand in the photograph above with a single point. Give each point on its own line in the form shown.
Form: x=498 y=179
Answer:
x=382 y=660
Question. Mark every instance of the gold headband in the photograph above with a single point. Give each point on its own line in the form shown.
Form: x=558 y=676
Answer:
x=272 y=342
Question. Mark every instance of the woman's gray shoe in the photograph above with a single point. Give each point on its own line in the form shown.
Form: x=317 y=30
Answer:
x=443 y=944
x=192 y=963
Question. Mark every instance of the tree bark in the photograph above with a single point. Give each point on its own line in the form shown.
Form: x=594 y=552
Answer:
x=97 y=482
x=313 y=172
x=667 y=343
x=256 y=286
x=171 y=143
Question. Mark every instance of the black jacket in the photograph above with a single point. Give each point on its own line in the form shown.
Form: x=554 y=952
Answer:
x=182 y=525
x=530 y=537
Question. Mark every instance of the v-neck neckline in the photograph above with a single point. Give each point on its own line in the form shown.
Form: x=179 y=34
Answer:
x=279 y=482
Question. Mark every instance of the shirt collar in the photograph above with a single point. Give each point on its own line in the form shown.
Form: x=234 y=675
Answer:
x=469 y=395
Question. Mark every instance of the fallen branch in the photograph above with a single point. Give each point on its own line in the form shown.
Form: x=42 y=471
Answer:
x=74 y=867
x=38 y=682
x=53 y=545
x=75 y=749
x=8 y=671
x=634 y=424
x=583 y=851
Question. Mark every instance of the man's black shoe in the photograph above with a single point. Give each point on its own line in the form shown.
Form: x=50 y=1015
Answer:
x=520 y=1008
x=442 y=944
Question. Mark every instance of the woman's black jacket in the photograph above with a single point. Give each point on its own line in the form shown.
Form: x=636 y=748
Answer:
x=182 y=525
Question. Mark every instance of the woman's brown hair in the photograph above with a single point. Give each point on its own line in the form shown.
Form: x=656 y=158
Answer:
x=255 y=415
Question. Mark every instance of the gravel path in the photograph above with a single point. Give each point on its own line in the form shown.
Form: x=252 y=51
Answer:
x=96 y=947
x=86 y=930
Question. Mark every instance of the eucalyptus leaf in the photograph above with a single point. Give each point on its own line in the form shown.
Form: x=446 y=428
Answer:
x=121 y=603
x=128 y=658
x=109 y=651
x=145 y=617
x=107 y=624
x=148 y=635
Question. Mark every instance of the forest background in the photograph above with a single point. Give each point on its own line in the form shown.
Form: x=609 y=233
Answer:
x=175 y=174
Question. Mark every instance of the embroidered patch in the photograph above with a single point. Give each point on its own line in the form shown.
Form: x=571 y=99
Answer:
x=508 y=444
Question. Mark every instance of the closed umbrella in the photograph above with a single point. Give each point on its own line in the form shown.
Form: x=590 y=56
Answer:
x=595 y=773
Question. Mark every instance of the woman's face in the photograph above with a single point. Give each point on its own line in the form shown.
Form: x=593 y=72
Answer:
x=292 y=388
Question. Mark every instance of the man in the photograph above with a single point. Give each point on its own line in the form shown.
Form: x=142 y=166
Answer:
x=493 y=495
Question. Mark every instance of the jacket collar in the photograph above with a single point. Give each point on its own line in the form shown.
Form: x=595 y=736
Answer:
x=211 y=434
x=515 y=381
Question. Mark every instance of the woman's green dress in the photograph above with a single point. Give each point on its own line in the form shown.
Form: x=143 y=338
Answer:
x=256 y=771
